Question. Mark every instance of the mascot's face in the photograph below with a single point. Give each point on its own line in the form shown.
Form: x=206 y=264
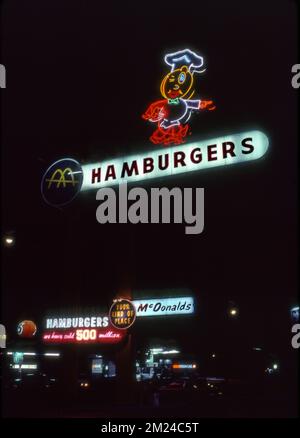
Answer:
x=177 y=83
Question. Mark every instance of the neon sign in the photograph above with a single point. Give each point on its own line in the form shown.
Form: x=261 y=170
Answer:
x=164 y=306
x=92 y=328
x=107 y=335
x=168 y=161
x=200 y=155
x=122 y=314
x=177 y=87
x=77 y=322
x=182 y=366
x=61 y=182
x=27 y=329
x=26 y=366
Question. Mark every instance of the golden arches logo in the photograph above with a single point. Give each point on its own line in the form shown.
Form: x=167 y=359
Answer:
x=59 y=178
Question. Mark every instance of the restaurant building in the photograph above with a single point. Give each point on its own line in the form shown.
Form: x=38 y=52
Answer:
x=85 y=345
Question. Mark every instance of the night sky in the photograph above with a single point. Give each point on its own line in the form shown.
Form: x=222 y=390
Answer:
x=79 y=77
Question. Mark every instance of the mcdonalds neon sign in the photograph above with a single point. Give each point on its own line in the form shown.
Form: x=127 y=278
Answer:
x=66 y=177
x=164 y=306
x=175 y=160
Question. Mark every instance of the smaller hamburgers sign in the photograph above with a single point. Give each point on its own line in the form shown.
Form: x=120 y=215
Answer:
x=81 y=329
x=122 y=313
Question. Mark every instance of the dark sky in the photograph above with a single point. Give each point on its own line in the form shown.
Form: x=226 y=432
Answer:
x=79 y=76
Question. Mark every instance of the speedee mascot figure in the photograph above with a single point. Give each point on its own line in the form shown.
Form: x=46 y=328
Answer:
x=173 y=112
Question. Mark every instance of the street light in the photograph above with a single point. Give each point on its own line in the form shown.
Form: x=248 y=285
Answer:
x=233 y=312
x=9 y=240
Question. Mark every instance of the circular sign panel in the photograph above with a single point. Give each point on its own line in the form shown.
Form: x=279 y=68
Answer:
x=26 y=329
x=61 y=182
x=122 y=314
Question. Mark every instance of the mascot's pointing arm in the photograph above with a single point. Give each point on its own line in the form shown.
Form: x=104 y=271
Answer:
x=207 y=104
x=201 y=104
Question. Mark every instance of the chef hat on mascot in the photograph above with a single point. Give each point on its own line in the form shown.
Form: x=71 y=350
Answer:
x=185 y=57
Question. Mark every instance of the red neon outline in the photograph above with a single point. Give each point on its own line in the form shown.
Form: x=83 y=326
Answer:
x=173 y=135
x=174 y=131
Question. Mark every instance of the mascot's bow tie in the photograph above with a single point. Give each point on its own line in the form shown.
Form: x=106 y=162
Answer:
x=173 y=101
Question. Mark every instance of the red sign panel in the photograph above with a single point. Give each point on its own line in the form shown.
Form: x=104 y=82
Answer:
x=105 y=335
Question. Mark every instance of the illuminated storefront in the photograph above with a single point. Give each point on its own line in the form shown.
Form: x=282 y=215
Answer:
x=95 y=338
